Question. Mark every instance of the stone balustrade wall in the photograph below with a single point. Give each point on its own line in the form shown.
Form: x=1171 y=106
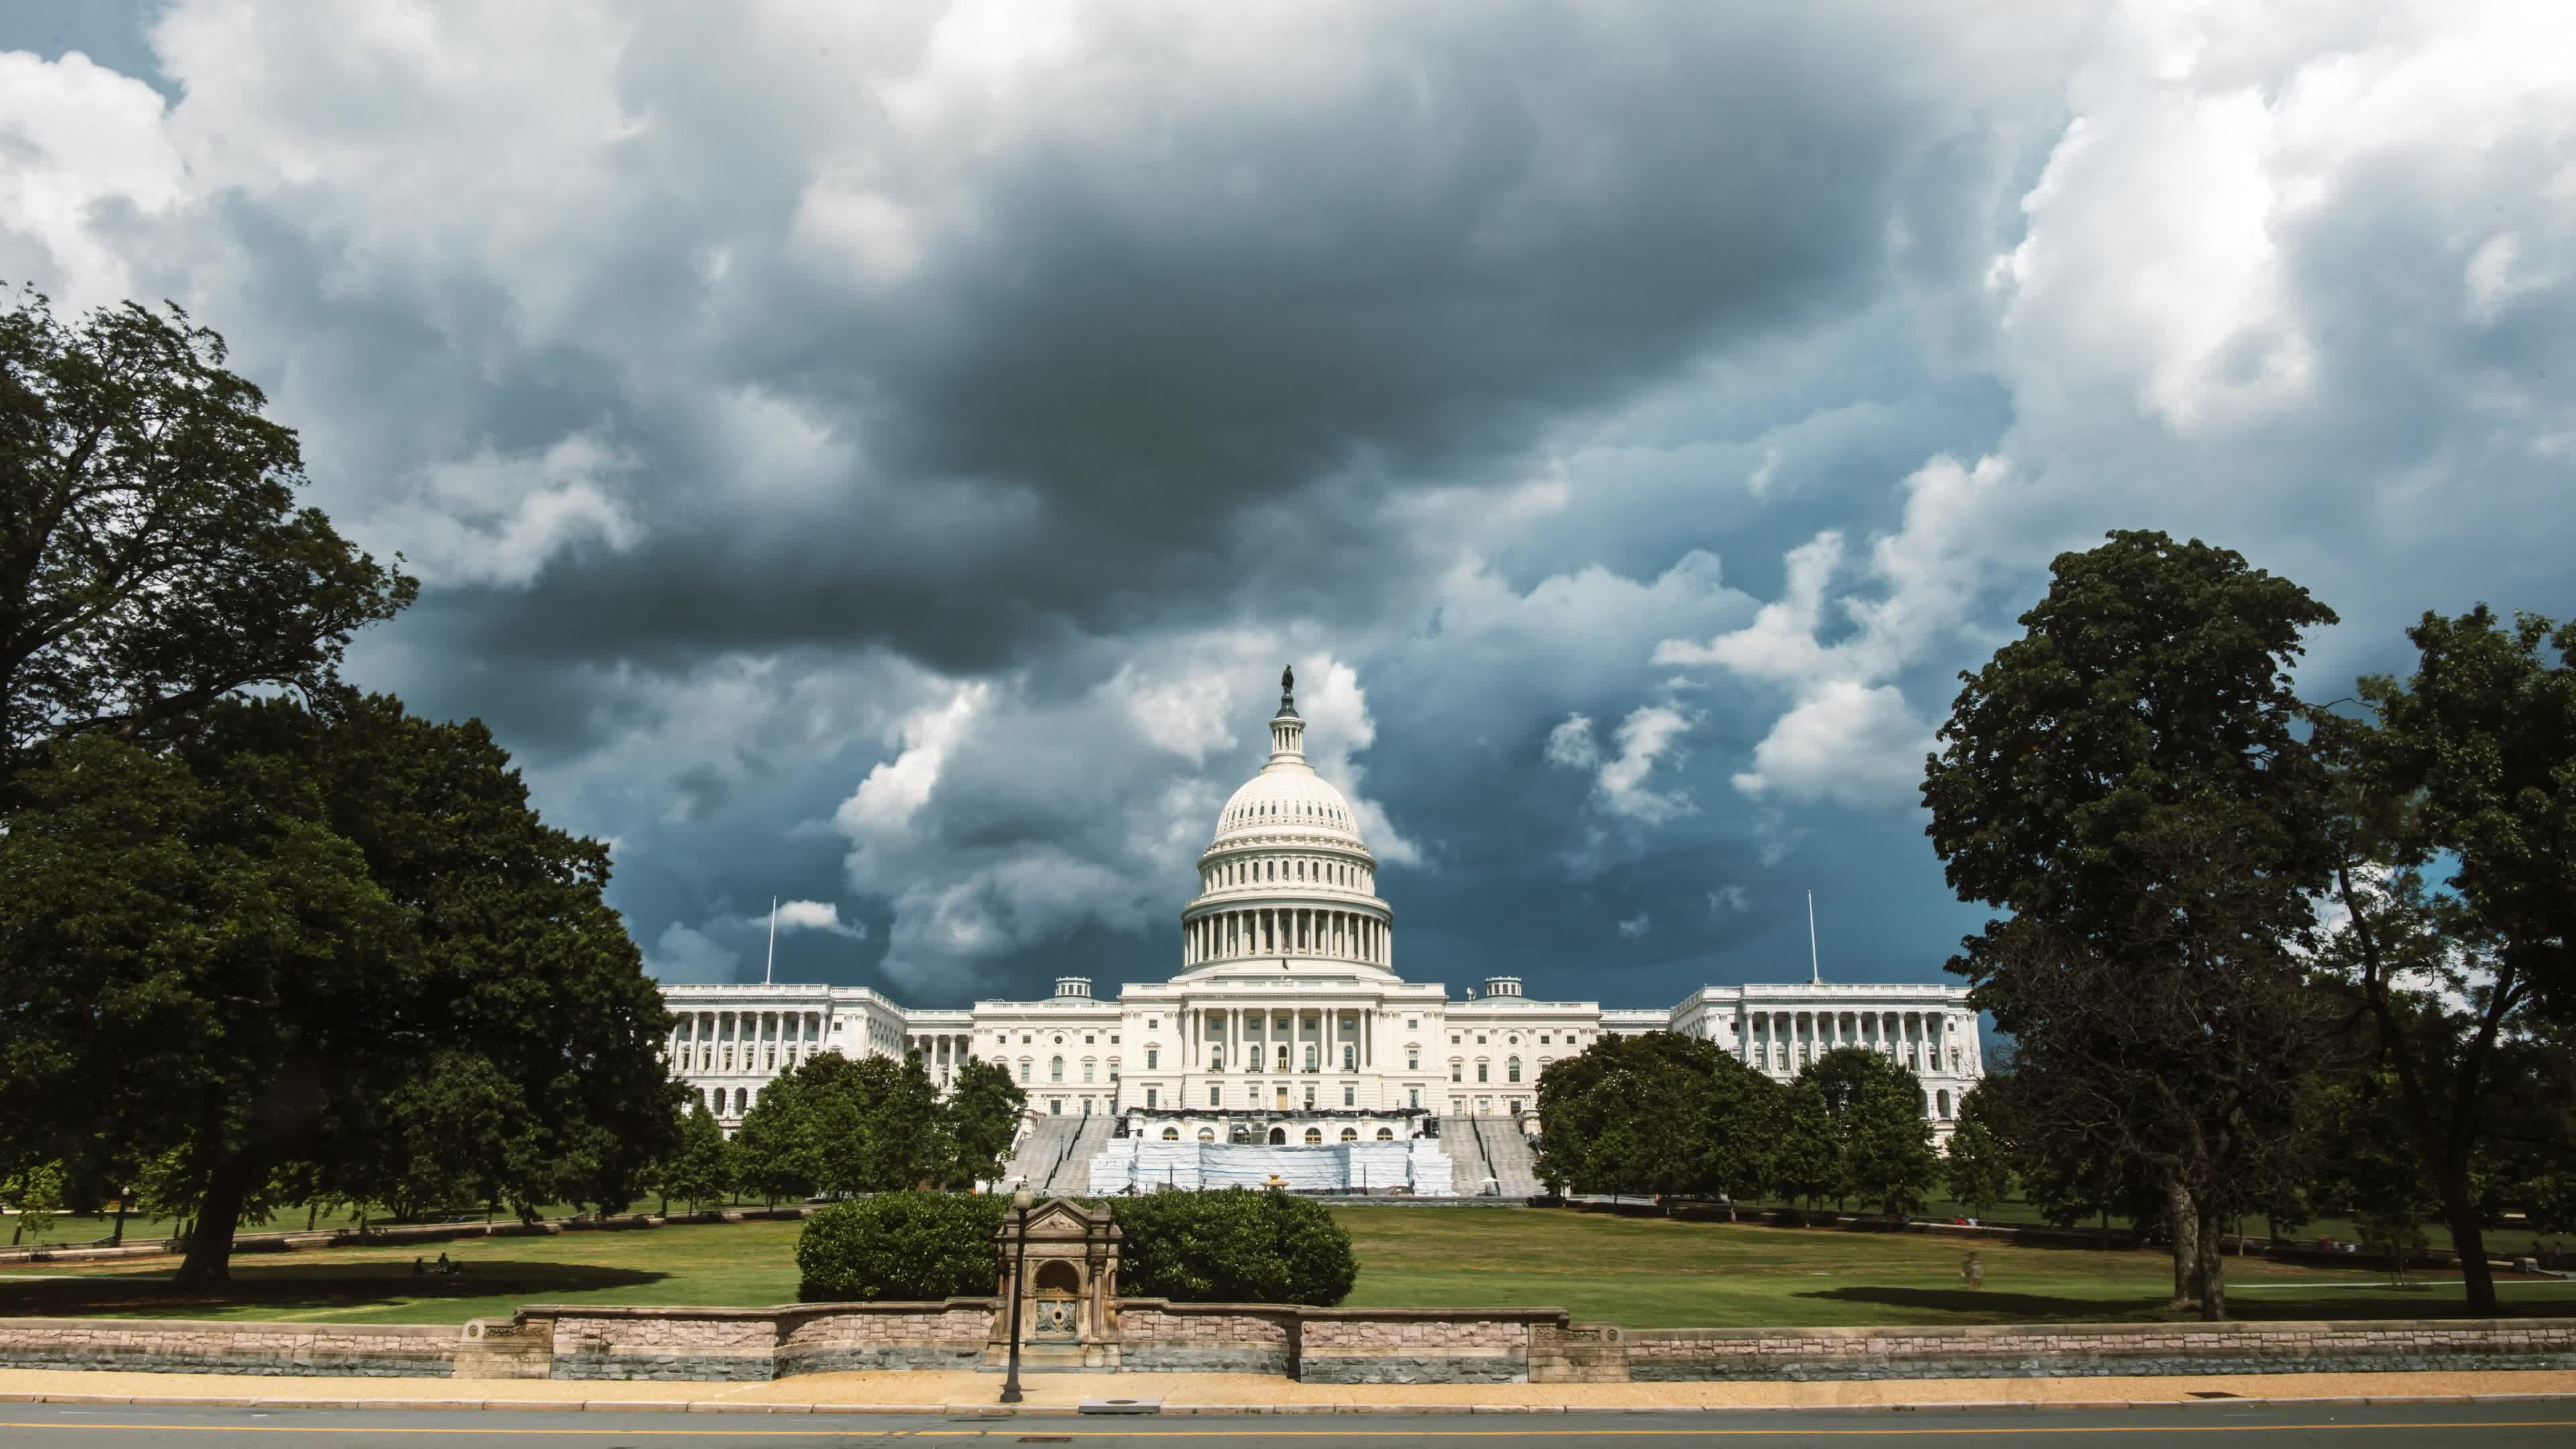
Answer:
x=1328 y=1345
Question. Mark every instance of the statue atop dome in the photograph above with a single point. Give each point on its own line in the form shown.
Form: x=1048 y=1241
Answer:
x=1288 y=681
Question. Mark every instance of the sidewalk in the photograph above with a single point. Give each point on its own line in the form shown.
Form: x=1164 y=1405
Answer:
x=946 y=1392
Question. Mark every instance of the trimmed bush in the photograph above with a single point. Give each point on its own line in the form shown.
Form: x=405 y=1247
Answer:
x=1233 y=1246
x=901 y=1247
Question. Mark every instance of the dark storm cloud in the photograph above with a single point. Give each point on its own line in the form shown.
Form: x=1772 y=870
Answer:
x=1085 y=408
x=883 y=454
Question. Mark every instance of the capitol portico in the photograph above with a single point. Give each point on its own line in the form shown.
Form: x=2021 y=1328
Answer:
x=1287 y=1024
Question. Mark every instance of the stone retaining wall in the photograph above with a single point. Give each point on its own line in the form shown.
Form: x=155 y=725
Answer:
x=1322 y=1345
x=365 y=1350
x=1159 y=1336
x=1421 y=1345
x=2097 y=1350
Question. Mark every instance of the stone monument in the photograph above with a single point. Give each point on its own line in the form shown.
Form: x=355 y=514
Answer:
x=1069 y=1302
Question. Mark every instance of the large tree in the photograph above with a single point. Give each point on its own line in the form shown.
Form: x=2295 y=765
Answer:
x=2466 y=770
x=983 y=1110
x=330 y=949
x=837 y=1125
x=152 y=560
x=2142 y=728
x=1655 y=1113
x=1975 y=1167
x=1872 y=1110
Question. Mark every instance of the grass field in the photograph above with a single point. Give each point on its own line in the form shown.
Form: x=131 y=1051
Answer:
x=1643 y=1272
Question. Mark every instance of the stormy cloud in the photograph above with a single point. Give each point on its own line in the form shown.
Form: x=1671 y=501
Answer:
x=879 y=457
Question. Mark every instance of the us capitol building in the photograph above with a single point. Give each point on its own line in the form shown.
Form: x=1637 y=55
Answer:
x=1287 y=1027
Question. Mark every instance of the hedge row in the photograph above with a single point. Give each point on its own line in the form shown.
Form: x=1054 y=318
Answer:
x=1234 y=1246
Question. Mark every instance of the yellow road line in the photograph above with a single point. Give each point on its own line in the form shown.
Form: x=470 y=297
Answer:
x=1773 y=1432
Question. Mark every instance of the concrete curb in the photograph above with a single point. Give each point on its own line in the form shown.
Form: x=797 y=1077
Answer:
x=1000 y=1411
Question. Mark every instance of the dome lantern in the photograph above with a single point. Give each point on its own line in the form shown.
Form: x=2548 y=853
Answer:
x=1287 y=731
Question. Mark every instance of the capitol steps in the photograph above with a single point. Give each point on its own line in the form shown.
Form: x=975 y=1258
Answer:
x=1507 y=1151
x=1466 y=1149
x=1128 y=1163
x=1045 y=1145
x=1072 y=1172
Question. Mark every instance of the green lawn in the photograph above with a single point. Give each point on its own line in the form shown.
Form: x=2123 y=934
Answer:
x=1642 y=1272
x=1655 y=1273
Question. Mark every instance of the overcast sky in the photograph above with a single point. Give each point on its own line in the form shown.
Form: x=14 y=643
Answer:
x=881 y=455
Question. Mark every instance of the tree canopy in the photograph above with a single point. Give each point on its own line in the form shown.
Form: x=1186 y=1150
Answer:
x=152 y=560
x=2132 y=781
x=1657 y=1113
x=2467 y=770
x=330 y=948
x=835 y=1126
x=1877 y=1136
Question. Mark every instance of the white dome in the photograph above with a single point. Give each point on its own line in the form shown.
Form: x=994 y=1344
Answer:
x=1289 y=798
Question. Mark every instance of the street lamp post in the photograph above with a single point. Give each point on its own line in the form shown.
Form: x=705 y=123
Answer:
x=1023 y=1201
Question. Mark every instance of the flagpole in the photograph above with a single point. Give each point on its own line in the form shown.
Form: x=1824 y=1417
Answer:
x=772 y=963
x=1815 y=965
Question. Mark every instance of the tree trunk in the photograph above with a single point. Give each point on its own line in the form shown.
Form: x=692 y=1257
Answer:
x=117 y=1236
x=2468 y=1239
x=210 y=1246
x=2183 y=1220
x=2213 y=1271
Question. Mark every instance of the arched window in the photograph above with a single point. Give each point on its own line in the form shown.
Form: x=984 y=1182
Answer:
x=1207 y=1134
x=741 y=1101
x=1086 y=1069
x=1945 y=1104
x=1512 y=1070
x=1314 y=1136
x=1171 y=1134
x=1055 y=1069
x=1311 y=1061
x=1386 y=1134
x=1483 y=1072
x=1350 y=1058
x=1350 y=1134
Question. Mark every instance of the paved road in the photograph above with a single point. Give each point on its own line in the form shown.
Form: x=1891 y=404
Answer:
x=2454 y=1426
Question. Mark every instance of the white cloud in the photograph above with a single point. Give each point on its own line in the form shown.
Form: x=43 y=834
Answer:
x=495 y=519
x=1635 y=926
x=75 y=141
x=1650 y=734
x=894 y=791
x=1571 y=744
x=1845 y=741
x=822 y=916
x=1728 y=901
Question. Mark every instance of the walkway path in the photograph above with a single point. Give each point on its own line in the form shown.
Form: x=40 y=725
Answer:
x=950 y=1391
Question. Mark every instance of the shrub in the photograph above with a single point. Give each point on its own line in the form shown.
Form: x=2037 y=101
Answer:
x=900 y=1247
x=1234 y=1246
